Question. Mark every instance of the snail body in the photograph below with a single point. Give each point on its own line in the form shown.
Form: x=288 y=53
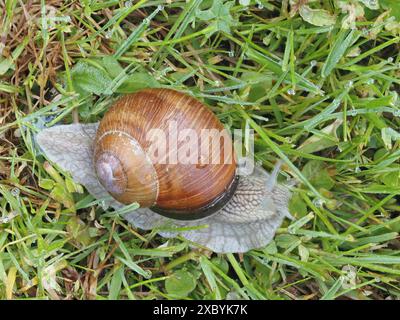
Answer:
x=114 y=160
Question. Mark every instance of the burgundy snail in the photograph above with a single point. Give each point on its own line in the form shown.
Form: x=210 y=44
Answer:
x=224 y=211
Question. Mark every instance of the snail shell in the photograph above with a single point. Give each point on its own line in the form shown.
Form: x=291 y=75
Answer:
x=125 y=169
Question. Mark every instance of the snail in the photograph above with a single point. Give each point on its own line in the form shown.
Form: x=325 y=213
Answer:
x=128 y=158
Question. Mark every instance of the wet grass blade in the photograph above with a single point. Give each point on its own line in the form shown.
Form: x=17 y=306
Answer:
x=342 y=43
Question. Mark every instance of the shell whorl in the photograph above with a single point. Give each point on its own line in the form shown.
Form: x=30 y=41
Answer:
x=111 y=173
x=125 y=168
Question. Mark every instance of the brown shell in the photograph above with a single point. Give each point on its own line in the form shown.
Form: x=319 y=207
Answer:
x=175 y=187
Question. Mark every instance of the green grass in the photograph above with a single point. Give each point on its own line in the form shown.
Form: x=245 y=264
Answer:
x=318 y=85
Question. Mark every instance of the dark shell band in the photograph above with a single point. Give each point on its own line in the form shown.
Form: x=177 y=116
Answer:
x=202 y=212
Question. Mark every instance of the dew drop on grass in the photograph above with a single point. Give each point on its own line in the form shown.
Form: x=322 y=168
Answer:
x=365 y=31
x=313 y=63
x=321 y=92
x=291 y=92
x=103 y=204
x=390 y=59
x=396 y=113
x=4 y=220
x=17 y=133
x=349 y=84
x=108 y=34
x=318 y=202
x=370 y=81
x=15 y=192
x=128 y=4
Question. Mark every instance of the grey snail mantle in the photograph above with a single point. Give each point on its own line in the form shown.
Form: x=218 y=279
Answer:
x=247 y=221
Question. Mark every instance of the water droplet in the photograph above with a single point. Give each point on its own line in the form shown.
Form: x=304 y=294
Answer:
x=231 y=54
x=313 y=63
x=318 y=202
x=128 y=4
x=390 y=59
x=108 y=34
x=396 y=113
x=321 y=92
x=17 y=133
x=160 y=7
x=370 y=81
x=349 y=84
x=48 y=119
x=357 y=169
x=103 y=204
x=15 y=192
x=291 y=92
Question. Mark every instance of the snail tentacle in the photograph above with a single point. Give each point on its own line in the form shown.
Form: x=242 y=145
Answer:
x=271 y=182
